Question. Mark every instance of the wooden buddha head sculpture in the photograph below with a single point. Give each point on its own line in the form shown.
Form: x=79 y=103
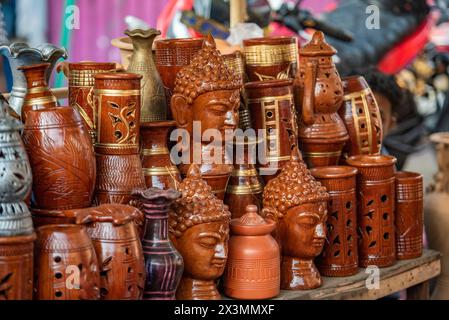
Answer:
x=207 y=91
x=199 y=229
x=298 y=203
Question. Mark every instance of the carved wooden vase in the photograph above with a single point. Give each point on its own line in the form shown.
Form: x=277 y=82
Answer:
x=298 y=204
x=66 y=266
x=340 y=255
x=253 y=267
x=118 y=248
x=436 y=213
x=163 y=263
x=153 y=106
x=409 y=215
x=38 y=95
x=158 y=169
x=62 y=159
x=271 y=58
x=245 y=187
x=361 y=115
x=81 y=84
x=119 y=170
x=171 y=56
x=376 y=207
x=319 y=96
x=272 y=108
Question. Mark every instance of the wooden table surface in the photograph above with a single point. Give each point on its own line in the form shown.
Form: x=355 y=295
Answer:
x=412 y=275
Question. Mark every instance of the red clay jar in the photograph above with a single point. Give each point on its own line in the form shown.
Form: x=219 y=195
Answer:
x=272 y=108
x=158 y=169
x=66 y=267
x=117 y=245
x=339 y=257
x=171 y=56
x=16 y=267
x=271 y=58
x=375 y=212
x=409 y=215
x=61 y=157
x=253 y=267
x=361 y=115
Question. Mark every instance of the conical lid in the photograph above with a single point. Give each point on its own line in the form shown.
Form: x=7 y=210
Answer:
x=317 y=47
x=251 y=223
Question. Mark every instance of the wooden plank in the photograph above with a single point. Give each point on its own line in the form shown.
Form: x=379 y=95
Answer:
x=402 y=275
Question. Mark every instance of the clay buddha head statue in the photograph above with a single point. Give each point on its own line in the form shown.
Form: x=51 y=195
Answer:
x=298 y=203
x=199 y=229
x=207 y=91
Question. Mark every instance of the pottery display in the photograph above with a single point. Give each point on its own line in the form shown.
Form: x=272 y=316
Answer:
x=119 y=252
x=199 y=230
x=163 y=263
x=253 y=267
x=272 y=108
x=436 y=213
x=361 y=115
x=158 y=169
x=340 y=256
x=245 y=186
x=38 y=94
x=298 y=204
x=20 y=54
x=319 y=96
x=15 y=180
x=66 y=266
x=119 y=169
x=81 y=84
x=207 y=95
x=153 y=105
x=171 y=56
x=62 y=159
x=271 y=58
x=409 y=215
x=376 y=208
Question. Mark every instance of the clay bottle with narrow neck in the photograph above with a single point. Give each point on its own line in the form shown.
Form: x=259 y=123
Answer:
x=38 y=96
x=154 y=107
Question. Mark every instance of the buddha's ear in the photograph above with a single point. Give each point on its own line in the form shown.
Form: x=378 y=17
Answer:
x=181 y=110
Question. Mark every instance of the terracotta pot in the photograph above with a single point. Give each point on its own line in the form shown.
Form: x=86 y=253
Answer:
x=339 y=257
x=271 y=58
x=245 y=186
x=436 y=213
x=361 y=115
x=16 y=267
x=66 y=267
x=81 y=83
x=117 y=177
x=319 y=96
x=38 y=94
x=158 y=169
x=253 y=267
x=119 y=251
x=117 y=101
x=171 y=56
x=298 y=204
x=409 y=215
x=199 y=230
x=53 y=217
x=163 y=263
x=61 y=157
x=272 y=108
x=236 y=62
x=375 y=212
x=153 y=105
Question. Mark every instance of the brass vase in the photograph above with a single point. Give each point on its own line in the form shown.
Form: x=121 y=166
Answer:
x=153 y=106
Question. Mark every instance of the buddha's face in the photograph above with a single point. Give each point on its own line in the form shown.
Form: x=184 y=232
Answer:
x=302 y=231
x=204 y=248
x=214 y=110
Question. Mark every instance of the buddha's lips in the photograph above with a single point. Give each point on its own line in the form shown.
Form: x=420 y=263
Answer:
x=219 y=263
x=318 y=242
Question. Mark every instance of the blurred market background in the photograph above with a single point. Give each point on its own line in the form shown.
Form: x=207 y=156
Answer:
x=412 y=48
